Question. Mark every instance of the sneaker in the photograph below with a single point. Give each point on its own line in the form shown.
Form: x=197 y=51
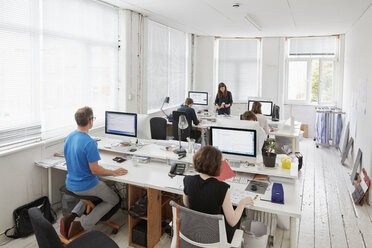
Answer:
x=65 y=224
x=75 y=228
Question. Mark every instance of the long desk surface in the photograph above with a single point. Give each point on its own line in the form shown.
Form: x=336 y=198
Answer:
x=155 y=175
x=156 y=149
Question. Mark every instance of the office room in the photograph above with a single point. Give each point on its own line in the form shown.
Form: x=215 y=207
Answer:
x=304 y=66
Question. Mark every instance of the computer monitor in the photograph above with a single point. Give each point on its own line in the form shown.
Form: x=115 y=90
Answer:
x=199 y=98
x=119 y=123
x=235 y=141
x=266 y=108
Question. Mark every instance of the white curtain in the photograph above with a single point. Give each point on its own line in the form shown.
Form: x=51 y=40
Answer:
x=19 y=71
x=55 y=56
x=80 y=61
x=238 y=67
x=314 y=46
x=165 y=65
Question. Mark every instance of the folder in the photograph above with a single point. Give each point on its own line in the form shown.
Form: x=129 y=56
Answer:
x=226 y=172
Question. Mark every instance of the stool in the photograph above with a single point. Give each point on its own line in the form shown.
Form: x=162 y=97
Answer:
x=91 y=202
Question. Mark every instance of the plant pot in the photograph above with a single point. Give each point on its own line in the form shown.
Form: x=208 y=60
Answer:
x=269 y=161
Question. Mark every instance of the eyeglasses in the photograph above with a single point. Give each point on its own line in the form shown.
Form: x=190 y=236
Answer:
x=93 y=118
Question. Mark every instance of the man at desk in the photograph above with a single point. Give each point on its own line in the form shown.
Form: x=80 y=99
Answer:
x=187 y=108
x=82 y=158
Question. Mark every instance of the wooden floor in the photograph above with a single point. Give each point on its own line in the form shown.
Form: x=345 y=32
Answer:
x=328 y=216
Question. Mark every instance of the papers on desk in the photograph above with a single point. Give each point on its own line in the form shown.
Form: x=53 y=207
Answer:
x=238 y=194
x=46 y=163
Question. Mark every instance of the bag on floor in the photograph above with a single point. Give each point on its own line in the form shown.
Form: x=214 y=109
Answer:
x=22 y=224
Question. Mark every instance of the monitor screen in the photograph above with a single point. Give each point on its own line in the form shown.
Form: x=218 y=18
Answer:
x=199 y=98
x=234 y=141
x=266 y=108
x=121 y=123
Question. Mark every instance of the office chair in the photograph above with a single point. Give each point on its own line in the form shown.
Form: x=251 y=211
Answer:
x=47 y=237
x=91 y=202
x=158 y=126
x=184 y=133
x=195 y=229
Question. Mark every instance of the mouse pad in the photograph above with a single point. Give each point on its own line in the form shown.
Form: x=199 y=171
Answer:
x=260 y=187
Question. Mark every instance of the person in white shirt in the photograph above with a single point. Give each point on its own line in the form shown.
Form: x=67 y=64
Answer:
x=256 y=109
x=261 y=134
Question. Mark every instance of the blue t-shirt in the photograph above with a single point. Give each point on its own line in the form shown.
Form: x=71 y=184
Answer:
x=80 y=150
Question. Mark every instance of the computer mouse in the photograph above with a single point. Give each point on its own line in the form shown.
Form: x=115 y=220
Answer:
x=254 y=187
x=133 y=150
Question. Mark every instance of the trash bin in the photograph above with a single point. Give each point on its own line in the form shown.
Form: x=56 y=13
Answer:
x=255 y=234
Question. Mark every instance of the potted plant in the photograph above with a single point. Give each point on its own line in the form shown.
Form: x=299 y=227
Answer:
x=268 y=152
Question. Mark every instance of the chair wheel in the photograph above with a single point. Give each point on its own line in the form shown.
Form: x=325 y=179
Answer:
x=317 y=146
x=115 y=231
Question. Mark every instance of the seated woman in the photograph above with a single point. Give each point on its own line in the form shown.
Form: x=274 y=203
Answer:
x=256 y=109
x=261 y=134
x=249 y=116
x=206 y=194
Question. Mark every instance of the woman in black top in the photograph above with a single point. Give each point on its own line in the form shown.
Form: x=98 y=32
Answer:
x=223 y=100
x=206 y=194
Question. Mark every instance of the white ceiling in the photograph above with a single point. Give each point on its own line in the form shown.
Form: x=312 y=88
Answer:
x=274 y=17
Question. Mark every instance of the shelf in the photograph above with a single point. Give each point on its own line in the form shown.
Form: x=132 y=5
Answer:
x=135 y=245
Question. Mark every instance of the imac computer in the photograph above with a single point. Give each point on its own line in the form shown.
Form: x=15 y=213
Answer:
x=199 y=98
x=119 y=123
x=266 y=108
x=235 y=143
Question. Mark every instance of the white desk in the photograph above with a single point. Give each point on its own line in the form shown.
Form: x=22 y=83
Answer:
x=153 y=150
x=155 y=175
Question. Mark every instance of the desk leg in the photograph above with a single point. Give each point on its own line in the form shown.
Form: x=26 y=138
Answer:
x=50 y=185
x=293 y=234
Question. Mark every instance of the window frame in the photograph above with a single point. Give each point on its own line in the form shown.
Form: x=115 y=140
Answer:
x=309 y=59
x=146 y=94
x=259 y=67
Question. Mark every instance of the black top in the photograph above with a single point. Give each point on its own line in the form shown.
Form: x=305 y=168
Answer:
x=227 y=100
x=190 y=112
x=205 y=196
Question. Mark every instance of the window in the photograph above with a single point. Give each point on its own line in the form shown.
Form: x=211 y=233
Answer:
x=19 y=113
x=55 y=56
x=165 y=66
x=238 y=67
x=311 y=66
x=80 y=60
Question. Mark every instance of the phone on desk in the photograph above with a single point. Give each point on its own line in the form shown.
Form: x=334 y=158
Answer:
x=177 y=169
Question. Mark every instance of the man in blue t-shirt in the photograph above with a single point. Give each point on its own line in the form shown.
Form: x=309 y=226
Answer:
x=82 y=158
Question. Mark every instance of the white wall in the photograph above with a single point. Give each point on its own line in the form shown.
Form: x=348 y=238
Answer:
x=358 y=65
x=203 y=66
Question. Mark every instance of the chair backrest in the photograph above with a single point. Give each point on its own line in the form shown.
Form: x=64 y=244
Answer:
x=196 y=229
x=158 y=126
x=184 y=133
x=45 y=234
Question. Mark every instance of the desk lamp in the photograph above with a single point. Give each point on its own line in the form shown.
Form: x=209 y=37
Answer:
x=182 y=124
x=166 y=100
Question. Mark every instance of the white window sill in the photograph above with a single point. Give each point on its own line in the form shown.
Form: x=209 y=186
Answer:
x=59 y=138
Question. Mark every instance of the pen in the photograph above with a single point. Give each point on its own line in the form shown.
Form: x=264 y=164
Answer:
x=265 y=200
x=255 y=198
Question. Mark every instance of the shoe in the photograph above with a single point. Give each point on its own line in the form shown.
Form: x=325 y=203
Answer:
x=75 y=228
x=65 y=223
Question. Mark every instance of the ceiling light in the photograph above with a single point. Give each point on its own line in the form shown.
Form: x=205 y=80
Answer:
x=251 y=21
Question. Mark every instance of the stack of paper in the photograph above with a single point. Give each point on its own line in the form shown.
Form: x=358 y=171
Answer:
x=46 y=163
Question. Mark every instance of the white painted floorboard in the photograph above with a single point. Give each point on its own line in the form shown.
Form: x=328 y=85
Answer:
x=328 y=218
